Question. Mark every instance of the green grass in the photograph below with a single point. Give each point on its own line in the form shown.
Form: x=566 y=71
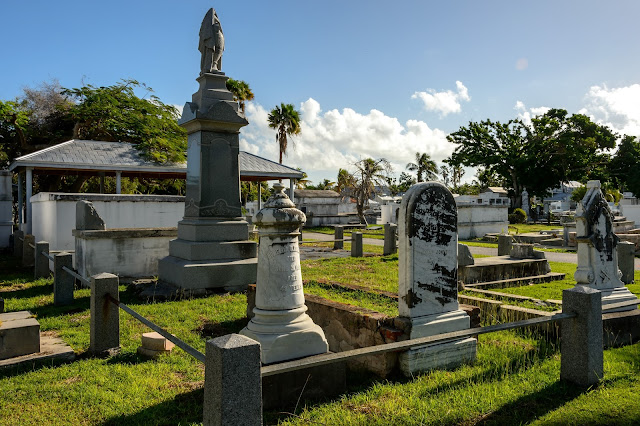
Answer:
x=370 y=233
x=531 y=227
x=515 y=379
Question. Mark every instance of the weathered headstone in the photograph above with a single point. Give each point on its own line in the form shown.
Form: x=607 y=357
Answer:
x=597 y=248
x=280 y=322
x=87 y=218
x=357 y=249
x=464 y=255
x=504 y=244
x=213 y=248
x=428 y=287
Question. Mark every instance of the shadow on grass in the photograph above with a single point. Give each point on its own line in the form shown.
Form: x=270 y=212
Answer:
x=185 y=408
x=534 y=405
x=209 y=330
x=27 y=293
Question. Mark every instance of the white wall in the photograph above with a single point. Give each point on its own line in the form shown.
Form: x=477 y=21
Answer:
x=476 y=220
x=631 y=212
x=54 y=214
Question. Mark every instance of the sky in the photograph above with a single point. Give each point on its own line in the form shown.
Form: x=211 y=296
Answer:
x=370 y=78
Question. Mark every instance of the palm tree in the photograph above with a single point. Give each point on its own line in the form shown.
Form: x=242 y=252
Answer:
x=241 y=91
x=286 y=120
x=424 y=165
x=369 y=173
x=303 y=182
x=345 y=180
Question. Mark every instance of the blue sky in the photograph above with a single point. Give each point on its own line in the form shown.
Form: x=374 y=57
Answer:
x=371 y=78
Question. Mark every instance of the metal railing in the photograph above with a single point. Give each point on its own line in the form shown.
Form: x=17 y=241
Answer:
x=170 y=337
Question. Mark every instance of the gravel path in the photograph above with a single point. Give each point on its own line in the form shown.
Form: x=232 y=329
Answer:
x=487 y=251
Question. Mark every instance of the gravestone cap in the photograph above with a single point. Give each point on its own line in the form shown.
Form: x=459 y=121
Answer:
x=280 y=211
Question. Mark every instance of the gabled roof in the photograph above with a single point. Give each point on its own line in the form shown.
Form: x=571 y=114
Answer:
x=93 y=157
x=496 y=190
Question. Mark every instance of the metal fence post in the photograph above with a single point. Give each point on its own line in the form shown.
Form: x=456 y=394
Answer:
x=41 y=269
x=581 y=345
x=27 y=250
x=232 y=382
x=338 y=243
x=17 y=243
x=356 y=244
x=62 y=281
x=104 y=336
x=390 y=246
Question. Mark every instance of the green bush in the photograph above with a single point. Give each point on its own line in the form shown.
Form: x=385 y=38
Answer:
x=518 y=216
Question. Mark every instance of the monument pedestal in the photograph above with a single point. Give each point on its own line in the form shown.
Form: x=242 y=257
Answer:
x=212 y=250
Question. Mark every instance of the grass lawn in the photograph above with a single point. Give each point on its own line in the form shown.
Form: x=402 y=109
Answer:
x=522 y=228
x=370 y=233
x=515 y=379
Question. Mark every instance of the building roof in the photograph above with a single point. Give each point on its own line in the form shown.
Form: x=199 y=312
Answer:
x=93 y=157
x=496 y=190
x=316 y=193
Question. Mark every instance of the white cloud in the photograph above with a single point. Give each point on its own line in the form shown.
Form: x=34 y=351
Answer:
x=445 y=102
x=618 y=108
x=522 y=64
x=337 y=139
x=525 y=113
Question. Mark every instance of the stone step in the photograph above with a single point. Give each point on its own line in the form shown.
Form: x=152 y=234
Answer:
x=204 y=250
x=213 y=230
x=227 y=275
x=553 y=242
x=19 y=334
x=518 y=282
x=497 y=268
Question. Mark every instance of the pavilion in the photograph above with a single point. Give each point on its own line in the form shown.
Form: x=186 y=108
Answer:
x=122 y=159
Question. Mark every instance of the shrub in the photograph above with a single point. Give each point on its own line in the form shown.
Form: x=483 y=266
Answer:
x=518 y=216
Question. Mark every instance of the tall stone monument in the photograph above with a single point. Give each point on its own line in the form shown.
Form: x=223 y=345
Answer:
x=428 y=277
x=212 y=249
x=525 y=204
x=6 y=204
x=280 y=323
x=597 y=248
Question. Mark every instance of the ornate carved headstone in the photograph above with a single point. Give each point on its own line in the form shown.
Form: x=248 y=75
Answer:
x=428 y=288
x=280 y=323
x=597 y=248
x=212 y=249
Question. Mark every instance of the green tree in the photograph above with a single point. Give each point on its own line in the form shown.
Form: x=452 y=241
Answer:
x=241 y=92
x=324 y=185
x=345 y=180
x=625 y=165
x=554 y=148
x=286 y=120
x=424 y=166
x=368 y=174
x=116 y=113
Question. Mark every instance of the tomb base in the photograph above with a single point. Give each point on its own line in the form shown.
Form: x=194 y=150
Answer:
x=617 y=295
x=285 y=335
x=210 y=254
x=19 y=334
x=441 y=355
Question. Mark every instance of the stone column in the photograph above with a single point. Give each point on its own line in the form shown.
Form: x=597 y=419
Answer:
x=41 y=269
x=104 y=333
x=29 y=192
x=357 y=250
x=504 y=244
x=20 y=202
x=581 y=358
x=232 y=383
x=28 y=251
x=280 y=322
x=338 y=244
x=6 y=208
x=626 y=256
x=428 y=287
x=63 y=282
x=118 y=182
x=525 y=204
x=597 y=248
x=390 y=239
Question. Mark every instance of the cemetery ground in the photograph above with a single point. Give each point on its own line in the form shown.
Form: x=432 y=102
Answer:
x=514 y=380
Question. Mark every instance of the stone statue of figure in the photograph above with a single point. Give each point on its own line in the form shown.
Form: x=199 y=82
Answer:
x=211 y=43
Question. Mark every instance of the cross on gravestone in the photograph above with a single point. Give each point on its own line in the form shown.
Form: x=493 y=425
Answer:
x=428 y=270
x=597 y=248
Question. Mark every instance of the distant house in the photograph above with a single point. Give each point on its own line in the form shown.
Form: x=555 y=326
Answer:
x=561 y=196
x=491 y=196
x=484 y=213
x=322 y=207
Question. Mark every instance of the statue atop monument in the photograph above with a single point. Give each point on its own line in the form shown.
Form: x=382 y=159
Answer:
x=211 y=43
